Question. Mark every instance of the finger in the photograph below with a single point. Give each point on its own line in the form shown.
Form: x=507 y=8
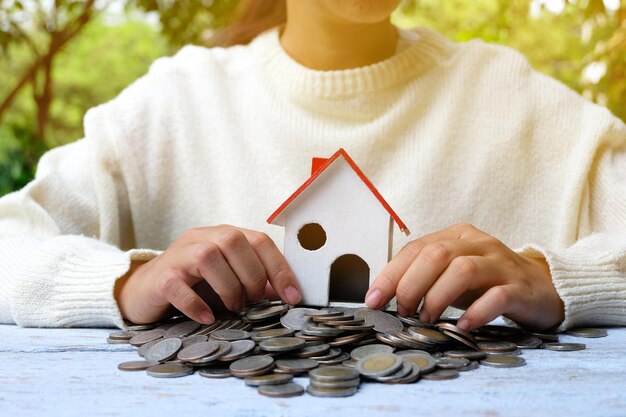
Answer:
x=384 y=286
x=244 y=262
x=464 y=273
x=178 y=293
x=279 y=274
x=495 y=302
x=427 y=268
x=211 y=265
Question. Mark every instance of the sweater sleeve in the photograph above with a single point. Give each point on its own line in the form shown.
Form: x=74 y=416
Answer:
x=590 y=275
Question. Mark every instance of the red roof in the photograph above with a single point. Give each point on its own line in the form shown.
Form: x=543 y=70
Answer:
x=319 y=166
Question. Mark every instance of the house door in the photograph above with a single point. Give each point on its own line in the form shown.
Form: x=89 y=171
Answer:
x=349 y=279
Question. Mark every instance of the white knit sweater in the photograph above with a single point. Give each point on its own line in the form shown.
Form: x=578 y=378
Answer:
x=447 y=132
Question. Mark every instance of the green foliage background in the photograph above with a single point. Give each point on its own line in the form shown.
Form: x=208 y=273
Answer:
x=110 y=53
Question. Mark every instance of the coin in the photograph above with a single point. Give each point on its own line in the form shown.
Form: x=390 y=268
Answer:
x=333 y=373
x=379 y=364
x=290 y=389
x=239 y=349
x=215 y=372
x=230 y=335
x=424 y=361
x=313 y=350
x=334 y=361
x=296 y=365
x=411 y=377
x=271 y=333
x=331 y=392
x=282 y=344
x=271 y=379
x=122 y=335
x=404 y=370
x=497 y=347
x=182 y=329
x=136 y=365
x=384 y=322
x=348 y=383
x=224 y=348
x=472 y=365
x=190 y=340
x=251 y=364
x=452 y=363
x=587 y=332
x=441 y=374
x=426 y=335
x=564 y=347
x=164 y=350
x=503 y=361
x=367 y=350
x=145 y=337
x=169 y=370
x=294 y=318
x=468 y=354
x=146 y=346
x=198 y=351
x=266 y=312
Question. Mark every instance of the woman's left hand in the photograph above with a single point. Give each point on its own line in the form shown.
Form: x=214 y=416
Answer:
x=464 y=267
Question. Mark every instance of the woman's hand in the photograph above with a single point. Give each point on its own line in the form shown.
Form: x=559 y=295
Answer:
x=469 y=269
x=236 y=264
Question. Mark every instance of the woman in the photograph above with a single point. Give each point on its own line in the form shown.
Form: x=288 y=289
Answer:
x=513 y=184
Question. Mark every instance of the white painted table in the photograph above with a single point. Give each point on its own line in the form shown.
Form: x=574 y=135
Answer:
x=73 y=372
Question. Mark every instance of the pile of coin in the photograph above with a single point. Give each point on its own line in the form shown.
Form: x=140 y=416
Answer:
x=269 y=343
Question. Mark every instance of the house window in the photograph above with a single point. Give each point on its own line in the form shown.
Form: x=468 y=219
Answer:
x=312 y=236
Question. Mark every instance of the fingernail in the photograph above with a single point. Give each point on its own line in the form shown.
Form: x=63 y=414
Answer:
x=292 y=296
x=207 y=317
x=402 y=311
x=424 y=316
x=374 y=299
x=463 y=324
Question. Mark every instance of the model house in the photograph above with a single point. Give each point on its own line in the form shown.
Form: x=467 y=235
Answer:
x=338 y=232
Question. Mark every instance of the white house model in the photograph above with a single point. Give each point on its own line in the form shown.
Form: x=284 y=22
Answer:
x=338 y=232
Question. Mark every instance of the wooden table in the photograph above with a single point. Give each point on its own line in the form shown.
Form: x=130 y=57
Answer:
x=73 y=372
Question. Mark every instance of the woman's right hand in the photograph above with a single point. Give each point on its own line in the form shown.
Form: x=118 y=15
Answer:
x=236 y=263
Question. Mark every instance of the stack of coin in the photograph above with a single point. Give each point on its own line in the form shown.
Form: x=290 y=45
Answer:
x=269 y=343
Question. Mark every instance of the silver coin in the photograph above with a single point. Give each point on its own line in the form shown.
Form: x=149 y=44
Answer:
x=164 y=350
x=136 y=365
x=122 y=335
x=182 y=329
x=331 y=392
x=190 y=340
x=424 y=361
x=452 y=363
x=230 y=335
x=468 y=354
x=332 y=353
x=271 y=379
x=139 y=327
x=239 y=349
x=333 y=373
x=503 y=361
x=441 y=374
x=271 y=333
x=251 y=364
x=367 y=350
x=348 y=383
x=497 y=347
x=409 y=378
x=321 y=330
x=290 y=389
x=169 y=370
x=146 y=346
x=296 y=365
x=361 y=313
x=526 y=342
x=379 y=364
x=266 y=312
x=145 y=337
x=428 y=335
x=294 y=318
x=282 y=344
x=344 y=356
x=384 y=322
x=312 y=350
x=404 y=370
x=587 y=332
x=564 y=347
x=198 y=351
x=472 y=365
x=117 y=341
x=224 y=348
x=215 y=372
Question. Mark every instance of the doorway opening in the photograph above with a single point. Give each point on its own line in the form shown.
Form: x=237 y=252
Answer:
x=349 y=279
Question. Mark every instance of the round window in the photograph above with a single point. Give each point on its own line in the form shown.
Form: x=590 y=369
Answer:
x=312 y=236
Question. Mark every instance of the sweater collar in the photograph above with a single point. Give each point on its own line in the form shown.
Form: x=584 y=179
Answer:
x=425 y=50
